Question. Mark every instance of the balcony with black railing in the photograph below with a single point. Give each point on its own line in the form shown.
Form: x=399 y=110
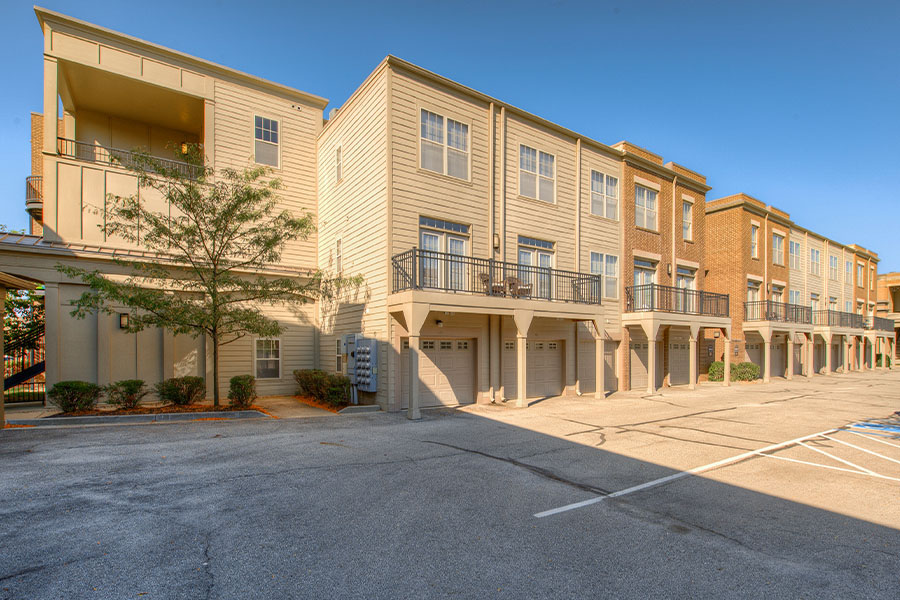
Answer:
x=34 y=195
x=122 y=158
x=779 y=312
x=665 y=298
x=880 y=324
x=837 y=318
x=418 y=269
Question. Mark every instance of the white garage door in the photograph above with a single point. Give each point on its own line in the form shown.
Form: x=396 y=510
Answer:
x=779 y=361
x=679 y=358
x=638 y=363
x=586 y=367
x=446 y=372
x=545 y=368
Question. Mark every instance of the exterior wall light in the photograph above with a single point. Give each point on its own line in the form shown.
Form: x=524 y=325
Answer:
x=439 y=323
x=123 y=320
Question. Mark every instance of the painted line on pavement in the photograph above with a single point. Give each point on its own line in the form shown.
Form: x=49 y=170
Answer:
x=862 y=449
x=874 y=439
x=679 y=475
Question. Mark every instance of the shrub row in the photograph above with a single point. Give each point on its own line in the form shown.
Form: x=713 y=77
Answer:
x=71 y=396
x=742 y=371
x=331 y=389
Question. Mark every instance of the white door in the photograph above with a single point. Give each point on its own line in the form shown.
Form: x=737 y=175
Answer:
x=684 y=300
x=431 y=262
x=644 y=276
x=446 y=372
x=545 y=368
x=679 y=358
x=536 y=274
x=438 y=269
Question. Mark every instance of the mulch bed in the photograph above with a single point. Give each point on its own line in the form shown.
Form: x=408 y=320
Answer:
x=156 y=410
x=315 y=403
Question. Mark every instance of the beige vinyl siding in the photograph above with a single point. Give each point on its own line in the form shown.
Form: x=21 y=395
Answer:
x=418 y=191
x=798 y=276
x=354 y=210
x=815 y=284
x=299 y=123
x=536 y=218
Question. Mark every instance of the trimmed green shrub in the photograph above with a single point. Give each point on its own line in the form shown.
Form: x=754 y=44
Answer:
x=71 y=396
x=242 y=390
x=329 y=388
x=127 y=393
x=743 y=371
x=181 y=390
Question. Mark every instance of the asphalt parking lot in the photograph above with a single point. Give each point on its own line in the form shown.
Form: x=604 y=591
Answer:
x=759 y=491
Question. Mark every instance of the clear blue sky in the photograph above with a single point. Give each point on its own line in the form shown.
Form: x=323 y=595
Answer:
x=795 y=103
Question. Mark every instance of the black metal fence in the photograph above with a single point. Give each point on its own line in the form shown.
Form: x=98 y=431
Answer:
x=768 y=310
x=880 y=324
x=424 y=269
x=114 y=156
x=34 y=188
x=665 y=298
x=23 y=368
x=837 y=318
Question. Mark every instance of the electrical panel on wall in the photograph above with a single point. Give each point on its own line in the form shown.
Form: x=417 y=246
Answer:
x=366 y=364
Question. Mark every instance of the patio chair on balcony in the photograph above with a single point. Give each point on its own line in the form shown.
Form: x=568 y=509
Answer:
x=517 y=289
x=495 y=289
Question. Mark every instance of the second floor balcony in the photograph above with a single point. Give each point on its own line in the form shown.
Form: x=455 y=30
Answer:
x=418 y=269
x=779 y=312
x=34 y=195
x=663 y=298
x=117 y=157
x=879 y=324
x=837 y=318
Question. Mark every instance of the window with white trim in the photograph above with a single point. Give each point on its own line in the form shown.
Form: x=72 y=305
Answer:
x=795 y=255
x=871 y=277
x=265 y=141
x=777 y=249
x=267 y=358
x=794 y=296
x=814 y=301
x=537 y=174
x=687 y=220
x=338 y=164
x=754 y=241
x=848 y=306
x=815 y=261
x=444 y=145
x=338 y=356
x=848 y=272
x=604 y=195
x=834 y=269
x=859 y=275
x=645 y=207
x=606 y=265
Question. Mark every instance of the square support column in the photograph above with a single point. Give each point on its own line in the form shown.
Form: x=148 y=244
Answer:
x=828 y=355
x=523 y=320
x=692 y=365
x=767 y=360
x=413 y=412
x=845 y=345
x=651 y=366
x=810 y=355
x=872 y=353
x=3 y=347
x=600 y=367
x=494 y=345
x=726 y=377
x=789 y=348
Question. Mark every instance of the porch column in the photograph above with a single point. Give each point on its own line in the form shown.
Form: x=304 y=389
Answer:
x=651 y=365
x=414 y=315
x=3 y=347
x=599 y=359
x=810 y=355
x=845 y=345
x=872 y=353
x=789 y=348
x=862 y=354
x=523 y=324
x=827 y=354
x=883 y=345
x=495 y=346
x=692 y=363
x=767 y=359
x=726 y=377
x=51 y=104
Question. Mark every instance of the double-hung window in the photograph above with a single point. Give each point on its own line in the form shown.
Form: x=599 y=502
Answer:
x=687 y=221
x=848 y=306
x=604 y=195
x=859 y=275
x=794 y=296
x=778 y=249
x=444 y=145
x=834 y=269
x=645 y=207
x=607 y=265
x=871 y=277
x=848 y=273
x=445 y=245
x=267 y=358
x=795 y=255
x=537 y=174
x=754 y=241
x=815 y=261
x=265 y=141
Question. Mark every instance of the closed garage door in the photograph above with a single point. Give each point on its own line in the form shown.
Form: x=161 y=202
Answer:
x=779 y=362
x=798 y=358
x=755 y=354
x=638 y=363
x=545 y=368
x=586 y=367
x=679 y=358
x=446 y=372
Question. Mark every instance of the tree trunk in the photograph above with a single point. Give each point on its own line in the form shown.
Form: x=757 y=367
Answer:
x=215 y=342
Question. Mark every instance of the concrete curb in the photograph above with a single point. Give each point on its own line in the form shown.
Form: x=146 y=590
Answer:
x=360 y=409
x=133 y=419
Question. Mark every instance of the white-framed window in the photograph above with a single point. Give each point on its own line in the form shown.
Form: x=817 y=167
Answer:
x=777 y=293
x=795 y=255
x=871 y=277
x=848 y=272
x=606 y=265
x=834 y=268
x=754 y=241
x=444 y=145
x=537 y=174
x=339 y=164
x=535 y=262
x=794 y=296
x=848 y=306
x=815 y=261
x=604 y=195
x=267 y=358
x=859 y=275
x=778 y=249
x=814 y=301
x=265 y=141
x=753 y=291
x=645 y=207
x=440 y=238
x=338 y=356
x=338 y=255
x=687 y=220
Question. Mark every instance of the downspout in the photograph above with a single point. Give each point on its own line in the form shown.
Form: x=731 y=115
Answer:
x=765 y=241
x=492 y=226
x=503 y=183
x=674 y=213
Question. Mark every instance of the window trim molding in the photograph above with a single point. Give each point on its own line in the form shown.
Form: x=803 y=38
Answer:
x=603 y=275
x=537 y=174
x=443 y=114
x=644 y=227
x=591 y=212
x=253 y=139
x=256 y=358
x=687 y=202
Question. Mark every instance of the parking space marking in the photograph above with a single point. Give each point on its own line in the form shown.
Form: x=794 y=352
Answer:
x=838 y=458
x=862 y=449
x=679 y=475
x=874 y=439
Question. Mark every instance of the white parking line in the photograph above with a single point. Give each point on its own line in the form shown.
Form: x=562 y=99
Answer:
x=839 y=459
x=862 y=449
x=873 y=438
x=812 y=464
x=679 y=475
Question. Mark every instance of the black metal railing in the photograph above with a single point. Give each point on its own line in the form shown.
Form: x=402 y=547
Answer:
x=418 y=269
x=124 y=158
x=769 y=310
x=23 y=368
x=665 y=298
x=34 y=188
x=879 y=324
x=837 y=318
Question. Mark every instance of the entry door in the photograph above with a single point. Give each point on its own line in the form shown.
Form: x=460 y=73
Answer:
x=439 y=271
x=684 y=300
x=643 y=295
x=538 y=279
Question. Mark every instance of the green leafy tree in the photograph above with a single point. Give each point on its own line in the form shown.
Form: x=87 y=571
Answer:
x=214 y=258
x=24 y=308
